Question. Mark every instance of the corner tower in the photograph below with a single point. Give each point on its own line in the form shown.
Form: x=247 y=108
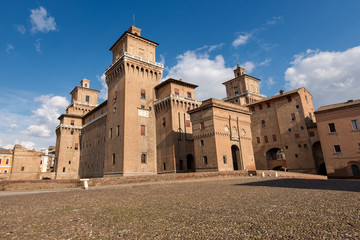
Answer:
x=242 y=89
x=131 y=123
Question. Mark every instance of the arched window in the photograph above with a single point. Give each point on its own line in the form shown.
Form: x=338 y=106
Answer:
x=143 y=158
x=5 y=171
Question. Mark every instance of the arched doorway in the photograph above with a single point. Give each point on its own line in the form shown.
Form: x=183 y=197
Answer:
x=276 y=158
x=318 y=158
x=355 y=170
x=235 y=156
x=190 y=162
x=322 y=169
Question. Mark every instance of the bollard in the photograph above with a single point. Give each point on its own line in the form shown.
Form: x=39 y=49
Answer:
x=262 y=174
x=86 y=185
x=276 y=174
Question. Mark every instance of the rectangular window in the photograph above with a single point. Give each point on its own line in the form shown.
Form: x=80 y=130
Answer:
x=260 y=106
x=76 y=146
x=205 y=160
x=164 y=122
x=355 y=124
x=297 y=135
x=176 y=91
x=306 y=99
x=87 y=98
x=266 y=139
x=142 y=130
x=201 y=142
x=257 y=139
x=63 y=169
x=312 y=134
x=143 y=94
x=202 y=125
x=0 y=160
x=224 y=159
x=113 y=158
x=7 y=161
x=252 y=109
x=72 y=122
x=115 y=96
x=23 y=168
x=236 y=92
x=332 y=128
x=143 y=158
x=263 y=123
x=289 y=98
x=118 y=130
x=268 y=105
x=110 y=133
x=293 y=117
x=189 y=94
x=337 y=149
x=274 y=138
x=187 y=123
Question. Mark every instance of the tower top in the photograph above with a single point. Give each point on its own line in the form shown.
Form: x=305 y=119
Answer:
x=85 y=83
x=239 y=71
x=134 y=30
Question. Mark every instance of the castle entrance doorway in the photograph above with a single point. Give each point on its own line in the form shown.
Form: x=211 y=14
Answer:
x=235 y=156
x=190 y=162
x=355 y=170
x=322 y=169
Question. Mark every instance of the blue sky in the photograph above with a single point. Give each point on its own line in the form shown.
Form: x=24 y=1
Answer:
x=46 y=47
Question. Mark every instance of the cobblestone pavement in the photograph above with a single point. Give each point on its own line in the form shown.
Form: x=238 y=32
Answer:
x=241 y=208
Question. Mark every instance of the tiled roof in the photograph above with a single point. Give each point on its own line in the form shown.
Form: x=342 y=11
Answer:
x=349 y=103
x=276 y=96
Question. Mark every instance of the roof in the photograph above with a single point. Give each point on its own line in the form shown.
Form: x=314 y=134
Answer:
x=5 y=151
x=350 y=103
x=69 y=115
x=277 y=96
x=240 y=77
x=96 y=108
x=127 y=32
x=84 y=88
x=171 y=80
x=212 y=102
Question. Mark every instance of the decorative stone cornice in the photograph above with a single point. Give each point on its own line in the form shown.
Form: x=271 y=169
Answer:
x=247 y=93
x=177 y=97
x=68 y=126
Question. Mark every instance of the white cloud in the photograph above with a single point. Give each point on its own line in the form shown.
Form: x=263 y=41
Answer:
x=21 y=29
x=46 y=115
x=249 y=66
x=37 y=45
x=200 y=69
x=9 y=47
x=28 y=144
x=13 y=126
x=41 y=21
x=162 y=59
x=330 y=76
x=270 y=82
x=241 y=40
x=104 y=91
x=274 y=20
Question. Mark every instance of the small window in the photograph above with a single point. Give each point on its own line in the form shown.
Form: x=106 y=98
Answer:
x=297 y=156
x=113 y=158
x=22 y=168
x=302 y=128
x=289 y=129
x=274 y=138
x=115 y=97
x=293 y=117
x=142 y=107
x=189 y=94
x=5 y=171
x=332 y=128
x=306 y=99
x=86 y=85
x=143 y=158
x=72 y=122
x=87 y=98
x=143 y=94
x=202 y=125
x=164 y=122
x=142 y=131
x=69 y=162
x=118 y=130
x=266 y=139
x=0 y=160
x=224 y=159
x=164 y=166
x=355 y=124
x=187 y=123
x=268 y=105
x=305 y=145
x=286 y=147
x=299 y=145
x=110 y=133
x=337 y=149
x=63 y=169
x=297 y=106
x=7 y=161
x=176 y=91
x=72 y=132
x=41 y=162
x=297 y=135
x=260 y=106
x=312 y=134
x=201 y=142
x=289 y=98
x=236 y=92
x=252 y=109
x=263 y=123
x=257 y=139
x=205 y=160
x=76 y=146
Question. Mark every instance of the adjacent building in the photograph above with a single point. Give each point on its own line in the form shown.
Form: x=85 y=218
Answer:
x=6 y=159
x=26 y=164
x=339 y=130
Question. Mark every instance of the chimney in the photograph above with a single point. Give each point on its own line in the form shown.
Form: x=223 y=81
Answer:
x=281 y=92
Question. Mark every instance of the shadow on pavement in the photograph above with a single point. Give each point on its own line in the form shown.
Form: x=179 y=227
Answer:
x=337 y=185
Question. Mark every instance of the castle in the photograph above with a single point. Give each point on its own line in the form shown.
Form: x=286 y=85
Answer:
x=150 y=127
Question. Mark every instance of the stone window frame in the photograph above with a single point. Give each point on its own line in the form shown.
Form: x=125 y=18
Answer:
x=355 y=125
x=337 y=149
x=205 y=160
x=224 y=159
x=143 y=158
x=332 y=128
